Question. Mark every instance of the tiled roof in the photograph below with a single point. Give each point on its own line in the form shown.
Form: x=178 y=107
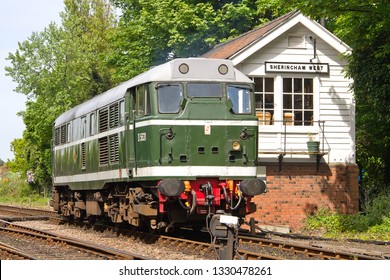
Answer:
x=229 y=48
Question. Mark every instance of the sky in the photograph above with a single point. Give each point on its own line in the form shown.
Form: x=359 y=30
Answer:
x=18 y=20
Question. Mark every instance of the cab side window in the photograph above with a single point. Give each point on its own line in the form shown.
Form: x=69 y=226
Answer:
x=141 y=100
x=169 y=98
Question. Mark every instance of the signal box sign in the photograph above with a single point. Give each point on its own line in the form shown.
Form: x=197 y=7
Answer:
x=293 y=67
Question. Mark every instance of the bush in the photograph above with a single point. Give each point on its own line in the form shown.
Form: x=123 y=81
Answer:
x=378 y=209
x=374 y=223
x=382 y=228
x=15 y=190
x=324 y=219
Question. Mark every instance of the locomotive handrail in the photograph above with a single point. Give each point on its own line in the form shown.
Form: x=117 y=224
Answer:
x=135 y=141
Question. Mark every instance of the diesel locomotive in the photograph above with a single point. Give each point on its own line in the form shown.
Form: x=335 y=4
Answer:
x=173 y=146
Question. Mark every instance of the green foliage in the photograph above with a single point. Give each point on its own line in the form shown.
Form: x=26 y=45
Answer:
x=372 y=178
x=381 y=229
x=378 y=209
x=57 y=69
x=19 y=164
x=14 y=189
x=374 y=223
x=152 y=32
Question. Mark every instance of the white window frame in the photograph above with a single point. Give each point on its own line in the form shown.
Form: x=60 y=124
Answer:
x=278 y=108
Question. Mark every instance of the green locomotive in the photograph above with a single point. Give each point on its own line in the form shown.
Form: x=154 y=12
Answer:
x=175 y=145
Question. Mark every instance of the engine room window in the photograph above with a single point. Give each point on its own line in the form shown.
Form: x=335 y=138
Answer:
x=241 y=99
x=122 y=112
x=92 y=124
x=69 y=133
x=169 y=98
x=204 y=90
x=83 y=127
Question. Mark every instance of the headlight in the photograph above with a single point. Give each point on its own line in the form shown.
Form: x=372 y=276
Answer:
x=236 y=146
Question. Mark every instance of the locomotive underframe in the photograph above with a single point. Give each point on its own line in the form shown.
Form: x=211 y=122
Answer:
x=146 y=206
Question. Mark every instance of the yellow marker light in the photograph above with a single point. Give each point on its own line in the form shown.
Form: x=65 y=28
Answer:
x=187 y=186
x=236 y=146
x=230 y=184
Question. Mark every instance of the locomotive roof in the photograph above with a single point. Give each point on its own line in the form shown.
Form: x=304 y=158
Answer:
x=166 y=72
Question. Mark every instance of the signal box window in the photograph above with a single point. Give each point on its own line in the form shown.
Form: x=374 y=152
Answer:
x=169 y=98
x=264 y=99
x=298 y=101
x=241 y=99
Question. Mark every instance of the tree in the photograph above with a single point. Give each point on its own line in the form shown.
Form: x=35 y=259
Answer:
x=57 y=69
x=152 y=32
x=19 y=164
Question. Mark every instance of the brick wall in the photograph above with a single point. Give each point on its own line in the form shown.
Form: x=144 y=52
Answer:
x=299 y=189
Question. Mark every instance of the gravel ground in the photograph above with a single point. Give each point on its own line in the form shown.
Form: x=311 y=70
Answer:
x=152 y=251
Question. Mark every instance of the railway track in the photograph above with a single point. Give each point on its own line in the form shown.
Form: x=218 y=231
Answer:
x=250 y=247
x=8 y=252
x=299 y=251
x=16 y=213
x=203 y=248
x=38 y=244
